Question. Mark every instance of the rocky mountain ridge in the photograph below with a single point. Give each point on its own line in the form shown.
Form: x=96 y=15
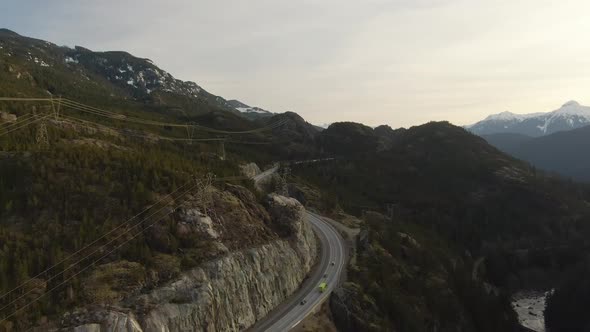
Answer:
x=34 y=65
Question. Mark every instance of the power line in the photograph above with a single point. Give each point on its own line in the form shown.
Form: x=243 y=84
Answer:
x=85 y=268
x=101 y=112
x=18 y=120
x=92 y=243
x=151 y=136
x=25 y=125
x=100 y=248
x=166 y=138
x=204 y=193
x=117 y=116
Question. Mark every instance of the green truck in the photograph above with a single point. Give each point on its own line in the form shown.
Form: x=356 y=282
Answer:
x=323 y=287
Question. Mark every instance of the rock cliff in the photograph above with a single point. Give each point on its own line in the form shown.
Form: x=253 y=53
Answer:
x=229 y=293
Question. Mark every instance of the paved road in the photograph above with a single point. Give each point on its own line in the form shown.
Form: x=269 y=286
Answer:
x=261 y=176
x=292 y=312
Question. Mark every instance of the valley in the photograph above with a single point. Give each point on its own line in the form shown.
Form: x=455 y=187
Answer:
x=131 y=200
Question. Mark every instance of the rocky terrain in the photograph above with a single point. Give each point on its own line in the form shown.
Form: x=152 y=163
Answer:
x=229 y=293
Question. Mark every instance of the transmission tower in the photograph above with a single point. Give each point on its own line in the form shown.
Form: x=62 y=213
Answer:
x=190 y=132
x=204 y=197
x=42 y=138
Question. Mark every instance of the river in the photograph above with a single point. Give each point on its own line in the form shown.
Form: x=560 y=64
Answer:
x=530 y=307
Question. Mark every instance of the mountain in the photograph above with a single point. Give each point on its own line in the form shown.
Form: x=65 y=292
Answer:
x=438 y=183
x=562 y=152
x=570 y=116
x=35 y=68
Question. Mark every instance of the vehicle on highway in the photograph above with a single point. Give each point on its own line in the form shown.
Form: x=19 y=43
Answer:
x=304 y=301
x=325 y=275
x=332 y=263
x=323 y=287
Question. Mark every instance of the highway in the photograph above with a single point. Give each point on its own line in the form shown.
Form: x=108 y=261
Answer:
x=332 y=250
x=292 y=312
x=261 y=176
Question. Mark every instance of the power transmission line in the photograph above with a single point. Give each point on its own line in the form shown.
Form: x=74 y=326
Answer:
x=101 y=248
x=204 y=197
x=104 y=113
x=20 y=126
x=101 y=112
x=85 y=268
x=93 y=242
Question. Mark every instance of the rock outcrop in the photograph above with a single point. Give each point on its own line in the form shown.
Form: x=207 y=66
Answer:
x=7 y=117
x=229 y=293
x=250 y=170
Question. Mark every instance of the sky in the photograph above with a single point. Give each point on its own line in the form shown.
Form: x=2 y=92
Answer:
x=395 y=62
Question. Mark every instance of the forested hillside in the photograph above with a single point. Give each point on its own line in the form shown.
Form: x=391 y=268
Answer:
x=561 y=152
x=115 y=177
x=455 y=209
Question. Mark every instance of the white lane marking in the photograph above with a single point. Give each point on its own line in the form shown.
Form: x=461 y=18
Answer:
x=299 y=321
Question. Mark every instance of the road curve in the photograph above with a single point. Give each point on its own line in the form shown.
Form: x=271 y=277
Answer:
x=263 y=175
x=292 y=312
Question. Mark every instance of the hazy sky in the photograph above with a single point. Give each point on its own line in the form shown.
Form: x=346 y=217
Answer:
x=399 y=62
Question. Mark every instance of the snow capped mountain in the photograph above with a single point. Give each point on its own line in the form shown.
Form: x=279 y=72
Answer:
x=139 y=75
x=570 y=116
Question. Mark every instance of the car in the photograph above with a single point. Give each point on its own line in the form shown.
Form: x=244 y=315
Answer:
x=332 y=263
x=304 y=301
x=325 y=275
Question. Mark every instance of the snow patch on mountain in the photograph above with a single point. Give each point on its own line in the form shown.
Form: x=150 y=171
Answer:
x=567 y=112
x=509 y=116
x=251 y=110
x=69 y=59
x=245 y=109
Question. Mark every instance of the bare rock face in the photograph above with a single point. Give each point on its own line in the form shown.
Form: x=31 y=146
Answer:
x=7 y=117
x=250 y=170
x=284 y=210
x=229 y=293
x=194 y=221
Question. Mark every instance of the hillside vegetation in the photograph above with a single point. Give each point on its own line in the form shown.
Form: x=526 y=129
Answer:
x=561 y=152
x=451 y=201
x=450 y=225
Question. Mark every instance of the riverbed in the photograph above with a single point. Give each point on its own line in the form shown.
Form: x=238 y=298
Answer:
x=530 y=307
